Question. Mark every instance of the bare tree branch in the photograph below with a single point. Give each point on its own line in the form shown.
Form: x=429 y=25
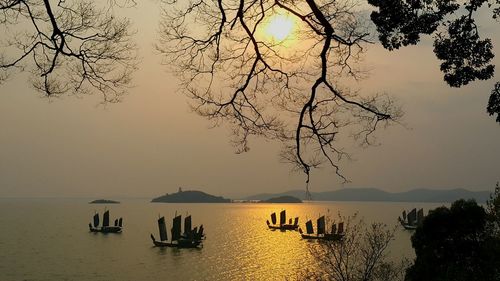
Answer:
x=286 y=90
x=68 y=46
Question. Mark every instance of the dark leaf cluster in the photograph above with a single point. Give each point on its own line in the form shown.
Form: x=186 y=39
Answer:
x=400 y=23
x=494 y=102
x=465 y=56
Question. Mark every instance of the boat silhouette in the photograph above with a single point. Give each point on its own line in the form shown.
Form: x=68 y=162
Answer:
x=336 y=233
x=283 y=225
x=190 y=238
x=411 y=220
x=106 y=228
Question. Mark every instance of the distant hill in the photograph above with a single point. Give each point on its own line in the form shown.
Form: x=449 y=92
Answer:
x=190 y=196
x=282 y=199
x=264 y=196
x=104 y=201
x=373 y=194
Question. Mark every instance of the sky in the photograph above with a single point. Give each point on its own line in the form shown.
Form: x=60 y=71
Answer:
x=151 y=143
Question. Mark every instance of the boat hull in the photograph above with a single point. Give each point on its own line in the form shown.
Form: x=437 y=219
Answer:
x=409 y=227
x=283 y=227
x=326 y=237
x=178 y=244
x=107 y=229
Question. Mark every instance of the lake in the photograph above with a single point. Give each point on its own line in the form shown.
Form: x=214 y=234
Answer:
x=48 y=239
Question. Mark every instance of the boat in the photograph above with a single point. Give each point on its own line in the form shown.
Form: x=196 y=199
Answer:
x=283 y=225
x=106 y=228
x=336 y=233
x=411 y=220
x=190 y=238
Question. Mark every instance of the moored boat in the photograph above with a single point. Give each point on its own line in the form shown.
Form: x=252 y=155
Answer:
x=106 y=228
x=336 y=233
x=411 y=220
x=283 y=225
x=191 y=238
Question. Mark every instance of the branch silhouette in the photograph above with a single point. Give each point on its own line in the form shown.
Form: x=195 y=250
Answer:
x=68 y=46
x=288 y=90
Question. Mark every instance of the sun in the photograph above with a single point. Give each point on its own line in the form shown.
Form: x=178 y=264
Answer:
x=280 y=27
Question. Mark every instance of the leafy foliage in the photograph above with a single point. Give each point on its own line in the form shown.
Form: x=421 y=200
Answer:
x=400 y=23
x=457 y=43
x=465 y=57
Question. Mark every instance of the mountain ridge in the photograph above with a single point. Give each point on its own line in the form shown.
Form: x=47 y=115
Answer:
x=377 y=195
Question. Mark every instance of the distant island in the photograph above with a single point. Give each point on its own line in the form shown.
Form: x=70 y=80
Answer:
x=374 y=194
x=104 y=201
x=190 y=196
x=282 y=199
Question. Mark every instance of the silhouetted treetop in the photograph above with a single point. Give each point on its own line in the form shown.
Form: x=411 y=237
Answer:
x=68 y=46
x=455 y=244
x=465 y=57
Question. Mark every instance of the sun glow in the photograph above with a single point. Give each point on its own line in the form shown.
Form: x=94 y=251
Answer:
x=280 y=27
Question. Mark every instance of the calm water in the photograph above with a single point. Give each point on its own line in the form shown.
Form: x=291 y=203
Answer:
x=48 y=239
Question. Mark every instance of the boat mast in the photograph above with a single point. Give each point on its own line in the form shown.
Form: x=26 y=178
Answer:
x=321 y=225
x=273 y=218
x=176 y=228
x=105 y=219
x=96 y=220
x=309 y=227
x=283 y=217
x=162 y=227
x=187 y=225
